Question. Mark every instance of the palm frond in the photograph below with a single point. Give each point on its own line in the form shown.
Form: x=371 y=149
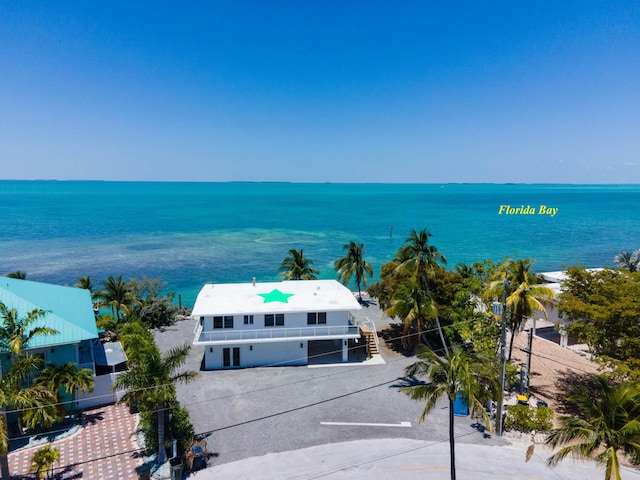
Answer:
x=530 y=449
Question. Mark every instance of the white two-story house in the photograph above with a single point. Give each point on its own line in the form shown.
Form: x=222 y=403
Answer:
x=274 y=323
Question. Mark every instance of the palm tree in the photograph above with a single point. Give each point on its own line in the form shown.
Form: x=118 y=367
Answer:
x=136 y=340
x=297 y=267
x=17 y=332
x=151 y=383
x=458 y=373
x=19 y=274
x=418 y=257
x=524 y=296
x=609 y=423
x=465 y=271
x=628 y=260
x=86 y=284
x=43 y=460
x=15 y=335
x=353 y=264
x=116 y=294
x=68 y=377
x=414 y=306
x=37 y=402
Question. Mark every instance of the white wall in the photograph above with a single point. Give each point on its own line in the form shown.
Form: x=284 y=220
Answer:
x=296 y=320
x=102 y=393
x=552 y=314
x=259 y=354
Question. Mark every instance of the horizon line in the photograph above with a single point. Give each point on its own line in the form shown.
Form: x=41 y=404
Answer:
x=304 y=182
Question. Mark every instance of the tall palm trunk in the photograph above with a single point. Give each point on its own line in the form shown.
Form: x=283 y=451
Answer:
x=4 y=456
x=4 y=466
x=444 y=344
x=513 y=332
x=511 y=345
x=162 y=452
x=426 y=287
x=452 y=442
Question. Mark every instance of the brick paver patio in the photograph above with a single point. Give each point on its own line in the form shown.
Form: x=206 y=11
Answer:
x=105 y=447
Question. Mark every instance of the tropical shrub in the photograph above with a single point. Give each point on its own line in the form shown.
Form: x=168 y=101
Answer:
x=181 y=428
x=156 y=312
x=106 y=322
x=526 y=418
x=512 y=374
x=603 y=310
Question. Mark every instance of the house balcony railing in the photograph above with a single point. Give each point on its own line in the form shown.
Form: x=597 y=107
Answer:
x=269 y=334
x=88 y=365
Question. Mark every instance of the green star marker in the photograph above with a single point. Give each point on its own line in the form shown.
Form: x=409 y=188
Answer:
x=276 y=295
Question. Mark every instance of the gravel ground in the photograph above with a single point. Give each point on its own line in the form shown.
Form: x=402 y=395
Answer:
x=551 y=367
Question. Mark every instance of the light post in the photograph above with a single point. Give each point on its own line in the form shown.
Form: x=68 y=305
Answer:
x=500 y=310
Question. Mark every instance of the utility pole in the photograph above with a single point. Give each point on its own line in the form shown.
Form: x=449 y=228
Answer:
x=532 y=332
x=501 y=310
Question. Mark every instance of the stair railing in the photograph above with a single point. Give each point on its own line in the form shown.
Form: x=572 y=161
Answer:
x=367 y=322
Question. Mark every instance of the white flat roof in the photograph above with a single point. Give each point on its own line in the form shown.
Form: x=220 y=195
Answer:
x=561 y=276
x=274 y=297
x=554 y=277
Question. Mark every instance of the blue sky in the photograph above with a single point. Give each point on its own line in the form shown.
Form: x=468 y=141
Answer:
x=321 y=91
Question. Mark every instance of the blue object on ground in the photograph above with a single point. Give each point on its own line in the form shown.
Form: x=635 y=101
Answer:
x=461 y=406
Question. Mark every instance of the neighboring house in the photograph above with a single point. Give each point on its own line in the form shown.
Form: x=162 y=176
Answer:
x=555 y=280
x=275 y=323
x=69 y=310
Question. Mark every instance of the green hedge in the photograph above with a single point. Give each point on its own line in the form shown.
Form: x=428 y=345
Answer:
x=136 y=337
x=525 y=418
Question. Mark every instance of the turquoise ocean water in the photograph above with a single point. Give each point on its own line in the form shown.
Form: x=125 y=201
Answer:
x=192 y=233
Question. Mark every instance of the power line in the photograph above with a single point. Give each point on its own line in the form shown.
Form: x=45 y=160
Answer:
x=350 y=371
x=276 y=364
x=290 y=410
x=338 y=397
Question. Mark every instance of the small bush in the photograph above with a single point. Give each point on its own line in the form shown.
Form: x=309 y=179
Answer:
x=156 y=311
x=149 y=428
x=525 y=418
x=181 y=428
x=511 y=374
x=106 y=322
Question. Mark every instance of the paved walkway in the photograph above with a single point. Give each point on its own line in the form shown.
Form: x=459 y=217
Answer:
x=103 y=448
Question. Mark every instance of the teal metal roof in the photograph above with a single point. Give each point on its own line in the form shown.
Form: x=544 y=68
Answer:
x=69 y=310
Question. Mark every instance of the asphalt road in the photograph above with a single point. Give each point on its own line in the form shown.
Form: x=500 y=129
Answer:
x=404 y=459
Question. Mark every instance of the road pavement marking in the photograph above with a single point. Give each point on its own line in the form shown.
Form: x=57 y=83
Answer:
x=355 y=424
